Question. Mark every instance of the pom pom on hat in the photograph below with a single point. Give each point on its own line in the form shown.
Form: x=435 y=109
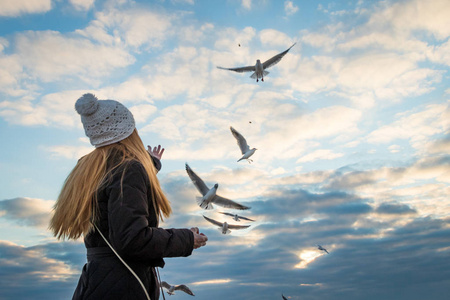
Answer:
x=87 y=104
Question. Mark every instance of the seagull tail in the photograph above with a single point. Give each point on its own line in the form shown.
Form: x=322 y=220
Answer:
x=265 y=72
x=221 y=230
x=253 y=76
x=203 y=204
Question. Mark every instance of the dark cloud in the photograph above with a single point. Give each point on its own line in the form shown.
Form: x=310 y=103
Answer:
x=395 y=209
x=27 y=211
x=41 y=272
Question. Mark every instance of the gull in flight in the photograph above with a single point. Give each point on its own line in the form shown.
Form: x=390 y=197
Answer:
x=225 y=227
x=236 y=217
x=322 y=248
x=209 y=196
x=242 y=143
x=260 y=68
x=172 y=288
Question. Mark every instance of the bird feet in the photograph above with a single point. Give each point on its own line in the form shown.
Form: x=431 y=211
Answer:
x=262 y=79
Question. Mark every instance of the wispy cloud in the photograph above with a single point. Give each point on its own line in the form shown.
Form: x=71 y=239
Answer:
x=12 y=8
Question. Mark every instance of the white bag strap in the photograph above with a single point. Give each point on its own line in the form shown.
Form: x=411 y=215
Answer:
x=120 y=258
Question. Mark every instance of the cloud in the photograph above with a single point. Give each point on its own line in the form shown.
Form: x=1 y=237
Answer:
x=290 y=8
x=395 y=209
x=416 y=125
x=15 y=8
x=32 y=272
x=319 y=154
x=82 y=4
x=27 y=211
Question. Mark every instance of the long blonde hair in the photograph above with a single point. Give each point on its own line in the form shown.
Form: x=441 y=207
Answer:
x=76 y=206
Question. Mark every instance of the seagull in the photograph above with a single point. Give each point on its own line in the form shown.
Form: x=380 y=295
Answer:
x=260 y=69
x=209 y=196
x=237 y=217
x=284 y=297
x=172 y=288
x=225 y=227
x=242 y=143
x=322 y=248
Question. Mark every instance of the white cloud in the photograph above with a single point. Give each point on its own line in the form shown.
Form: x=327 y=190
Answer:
x=416 y=126
x=142 y=112
x=408 y=16
x=69 y=152
x=275 y=38
x=320 y=154
x=247 y=4
x=290 y=8
x=14 y=8
x=82 y=4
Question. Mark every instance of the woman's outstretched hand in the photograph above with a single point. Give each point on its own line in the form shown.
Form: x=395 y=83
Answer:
x=199 y=238
x=156 y=152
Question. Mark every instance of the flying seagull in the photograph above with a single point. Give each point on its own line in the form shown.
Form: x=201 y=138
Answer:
x=236 y=217
x=225 y=227
x=172 y=288
x=209 y=196
x=242 y=143
x=322 y=248
x=260 y=68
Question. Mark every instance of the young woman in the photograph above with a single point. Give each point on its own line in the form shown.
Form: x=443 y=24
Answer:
x=113 y=198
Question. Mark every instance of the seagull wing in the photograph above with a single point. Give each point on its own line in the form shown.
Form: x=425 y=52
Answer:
x=213 y=221
x=228 y=203
x=240 y=70
x=185 y=289
x=244 y=218
x=242 y=143
x=276 y=59
x=198 y=182
x=165 y=285
x=228 y=214
x=230 y=226
x=284 y=297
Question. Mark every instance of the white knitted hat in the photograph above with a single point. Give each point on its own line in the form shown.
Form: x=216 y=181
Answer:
x=105 y=122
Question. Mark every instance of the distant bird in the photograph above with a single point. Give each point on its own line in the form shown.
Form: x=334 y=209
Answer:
x=284 y=297
x=239 y=45
x=209 y=196
x=322 y=248
x=225 y=227
x=236 y=217
x=260 y=69
x=172 y=288
x=242 y=143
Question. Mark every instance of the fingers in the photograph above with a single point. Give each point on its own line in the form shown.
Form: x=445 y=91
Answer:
x=199 y=239
x=195 y=230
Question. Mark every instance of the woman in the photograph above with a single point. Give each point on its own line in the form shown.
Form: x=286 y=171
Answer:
x=113 y=196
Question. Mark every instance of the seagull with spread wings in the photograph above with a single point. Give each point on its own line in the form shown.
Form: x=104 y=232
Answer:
x=172 y=288
x=242 y=143
x=322 y=248
x=225 y=227
x=259 y=70
x=209 y=196
x=236 y=217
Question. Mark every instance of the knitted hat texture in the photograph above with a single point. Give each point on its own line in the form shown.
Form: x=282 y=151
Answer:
x=105 y=122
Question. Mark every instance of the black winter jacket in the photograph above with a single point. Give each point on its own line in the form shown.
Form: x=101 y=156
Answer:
x=128 y=220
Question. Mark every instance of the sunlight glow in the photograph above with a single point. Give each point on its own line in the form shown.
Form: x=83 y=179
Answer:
x=213 y=281
x=307 y=257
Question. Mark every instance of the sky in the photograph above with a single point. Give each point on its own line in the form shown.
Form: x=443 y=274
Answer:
x=351 y=126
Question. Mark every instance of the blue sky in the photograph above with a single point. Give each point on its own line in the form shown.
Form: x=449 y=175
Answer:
x=351 y=127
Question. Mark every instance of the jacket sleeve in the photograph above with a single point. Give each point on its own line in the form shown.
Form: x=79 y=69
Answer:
x=157 y=163
x=129 y=212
